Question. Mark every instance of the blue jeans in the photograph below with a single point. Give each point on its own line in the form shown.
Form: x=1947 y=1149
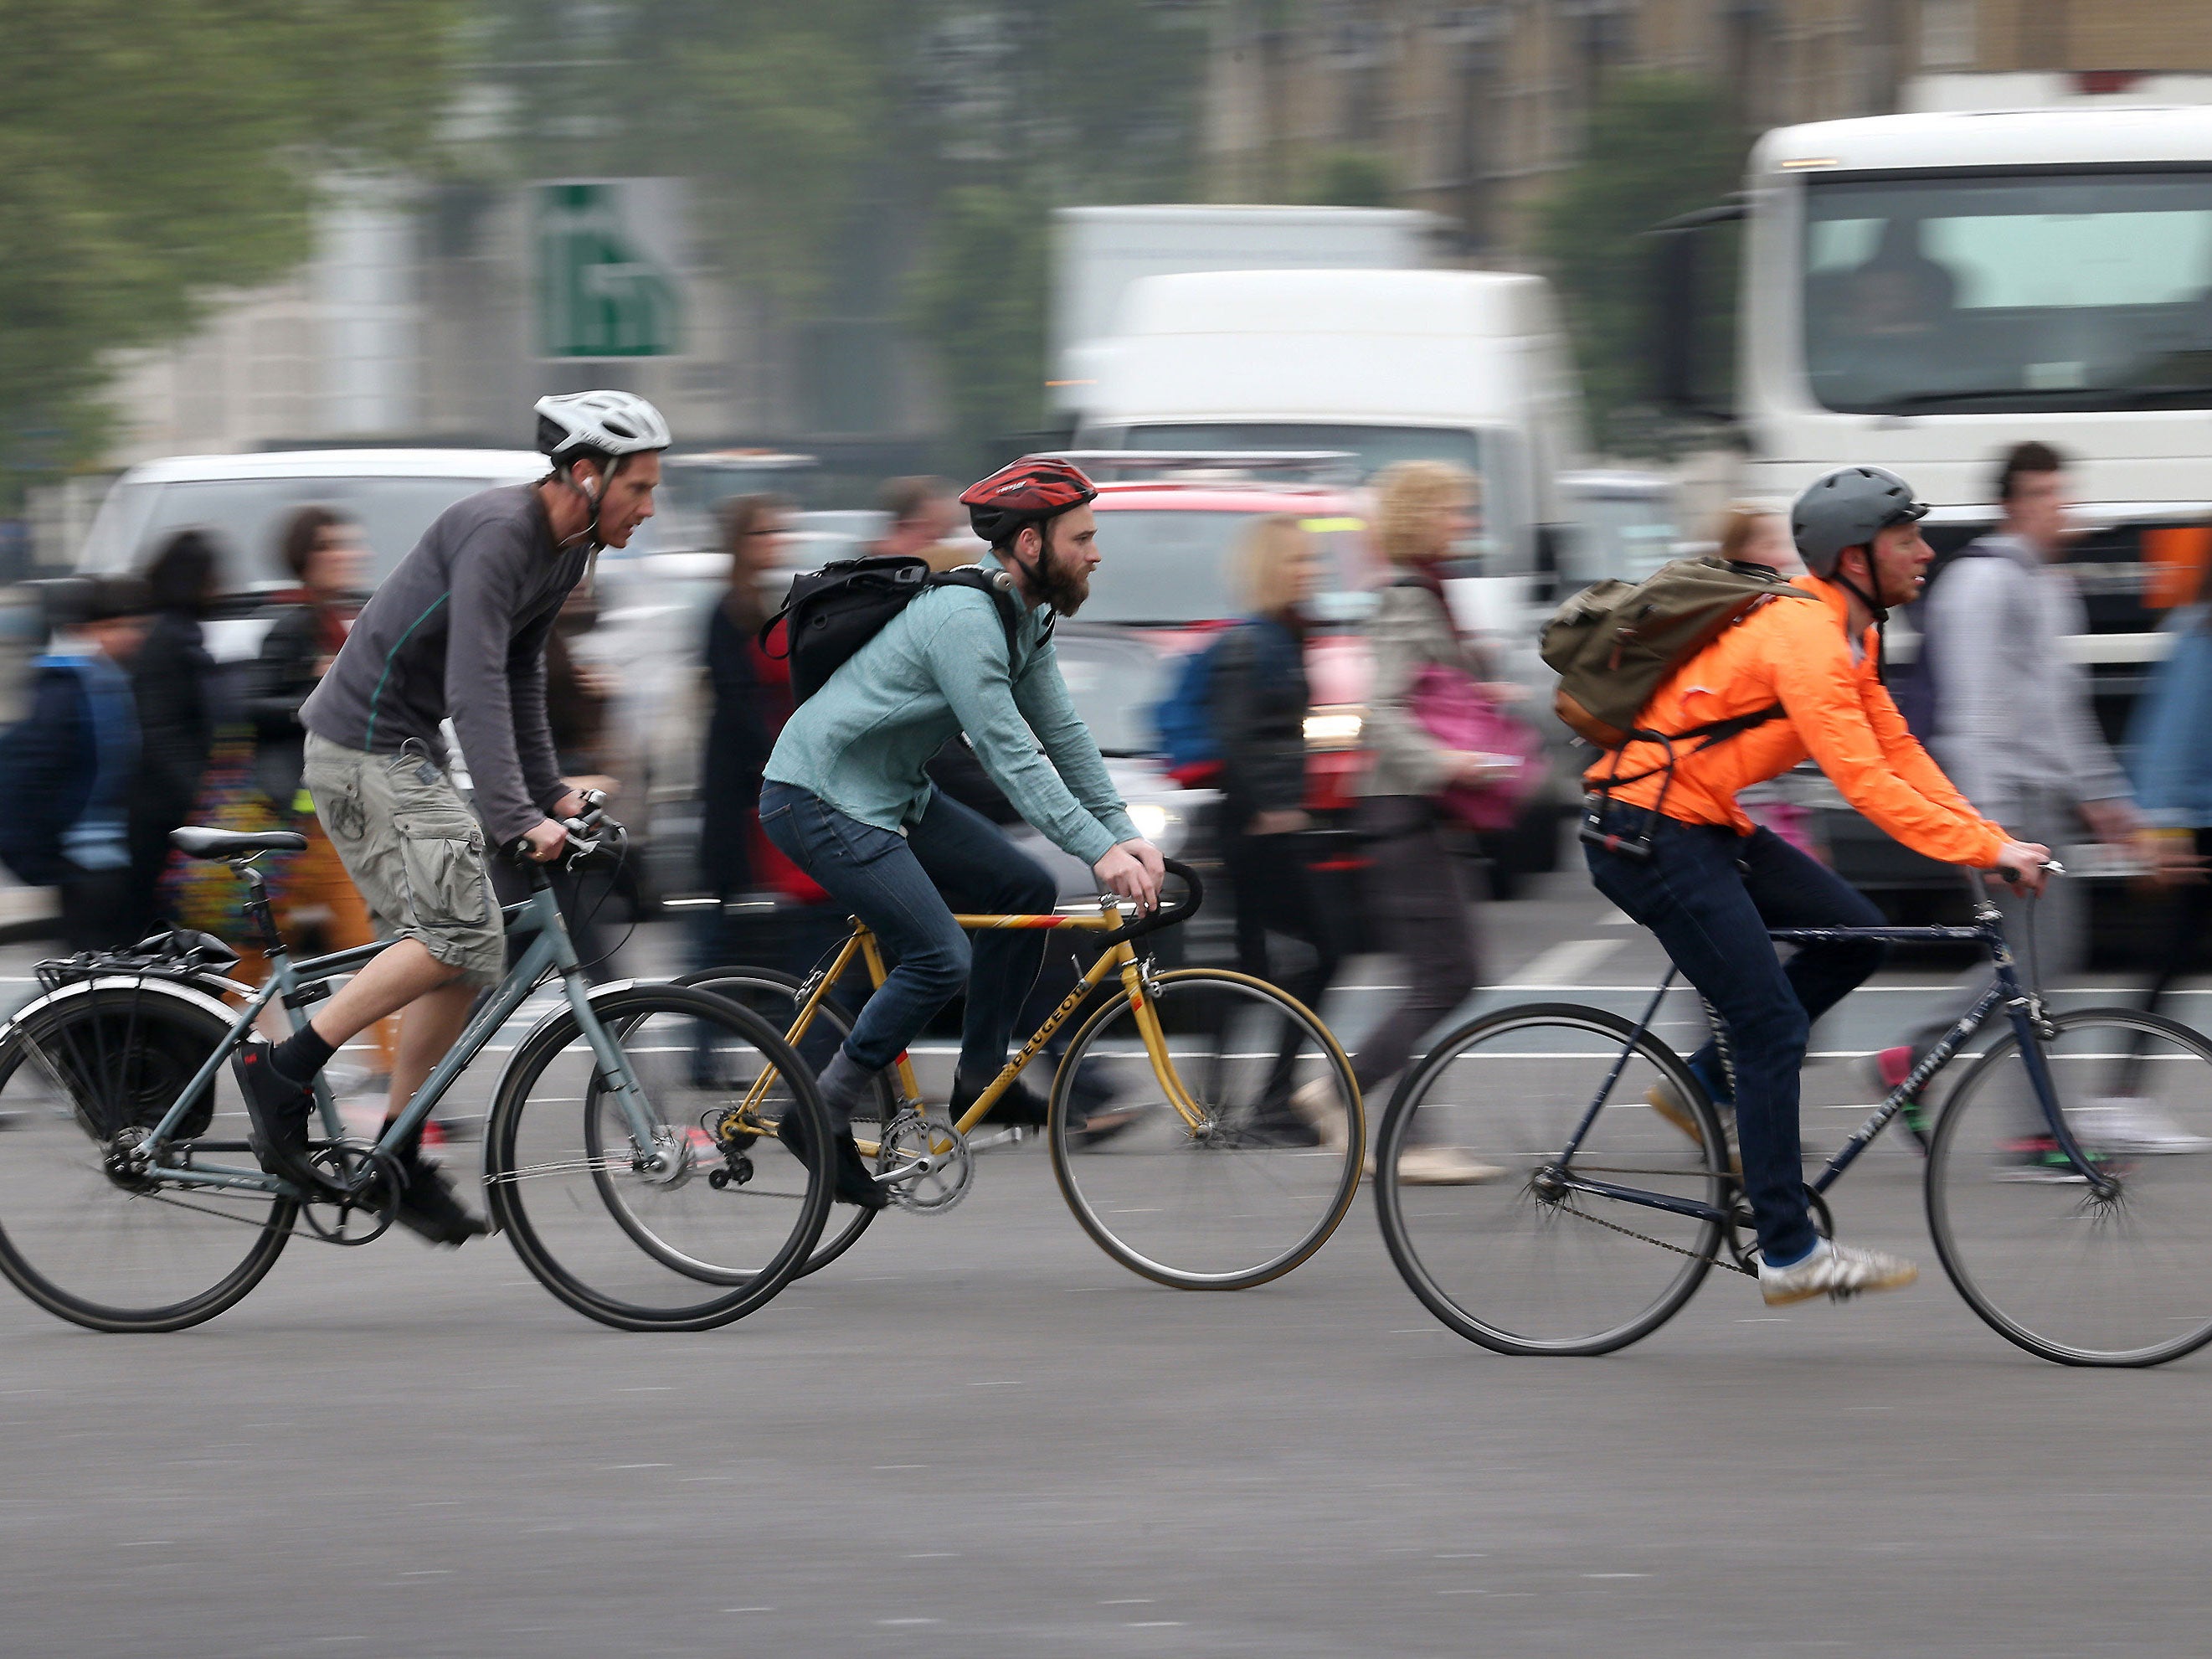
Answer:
x=1710 y=894
x=892 y=882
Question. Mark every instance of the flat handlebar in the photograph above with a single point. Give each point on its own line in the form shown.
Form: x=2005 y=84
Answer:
x=1168 y=915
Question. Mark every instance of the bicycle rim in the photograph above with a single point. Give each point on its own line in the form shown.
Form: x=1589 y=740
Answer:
x=623 y=1242
x=1515 y=1261
x=774 y=997
x=2123 y=1278
x=92 y=1066
x=1246 y=1195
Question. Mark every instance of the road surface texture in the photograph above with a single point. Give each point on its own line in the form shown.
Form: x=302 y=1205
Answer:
x=977 y=1437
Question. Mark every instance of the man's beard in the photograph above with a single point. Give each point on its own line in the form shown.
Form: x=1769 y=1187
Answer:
x=1058 y=586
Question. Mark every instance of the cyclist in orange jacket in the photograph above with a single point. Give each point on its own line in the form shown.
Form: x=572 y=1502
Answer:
x=1668 y=844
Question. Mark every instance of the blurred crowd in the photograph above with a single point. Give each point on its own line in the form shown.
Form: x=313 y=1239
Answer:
x=132 y=728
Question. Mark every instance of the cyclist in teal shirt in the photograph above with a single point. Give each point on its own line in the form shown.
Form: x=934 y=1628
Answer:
x=848 y=798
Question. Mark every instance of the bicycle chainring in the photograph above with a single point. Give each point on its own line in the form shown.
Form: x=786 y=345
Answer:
x=910 y=1138
x=371 y=1180
x=1744 y=1232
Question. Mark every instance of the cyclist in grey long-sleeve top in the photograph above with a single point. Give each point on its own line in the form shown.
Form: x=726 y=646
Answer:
x=459 y=629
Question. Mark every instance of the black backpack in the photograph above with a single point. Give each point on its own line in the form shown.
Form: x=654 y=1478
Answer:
x=832 y=613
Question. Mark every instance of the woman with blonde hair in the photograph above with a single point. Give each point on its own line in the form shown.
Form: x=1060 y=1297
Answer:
x=1414 y=888
x=1259 y=700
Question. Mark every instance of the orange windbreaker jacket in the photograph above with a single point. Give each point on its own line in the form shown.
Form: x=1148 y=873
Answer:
x=1833 y=708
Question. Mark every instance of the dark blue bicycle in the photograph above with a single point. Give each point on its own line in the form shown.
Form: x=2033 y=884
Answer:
x=1609 y=1215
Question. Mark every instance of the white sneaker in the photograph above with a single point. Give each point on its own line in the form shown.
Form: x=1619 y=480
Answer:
x=1834 y=1270
x=2127 y=1123
x=1443 y=1166
x=1318 y=1104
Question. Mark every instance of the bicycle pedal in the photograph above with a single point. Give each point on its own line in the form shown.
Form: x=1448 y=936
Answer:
x=1011 y=1137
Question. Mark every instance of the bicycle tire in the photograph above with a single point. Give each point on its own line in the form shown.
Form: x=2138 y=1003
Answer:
x=1316 y=1185
x=2021 y=1235
x=52 y=1163
x=571 y=1247
x=1447 y=1250
x=847 y=1221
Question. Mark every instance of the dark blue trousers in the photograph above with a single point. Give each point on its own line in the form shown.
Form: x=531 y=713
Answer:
x=893 y=883
x=1710 y=894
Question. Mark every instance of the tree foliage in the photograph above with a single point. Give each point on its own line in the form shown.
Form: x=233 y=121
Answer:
x=152 y=156
x=1659 y=145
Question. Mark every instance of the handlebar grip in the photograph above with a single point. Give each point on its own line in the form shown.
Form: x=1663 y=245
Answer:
x=1166 y=915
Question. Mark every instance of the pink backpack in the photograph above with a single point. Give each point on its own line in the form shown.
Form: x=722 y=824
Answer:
x=1453 y=710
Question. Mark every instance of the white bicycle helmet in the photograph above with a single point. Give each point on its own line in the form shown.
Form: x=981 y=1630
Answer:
x=609 y=423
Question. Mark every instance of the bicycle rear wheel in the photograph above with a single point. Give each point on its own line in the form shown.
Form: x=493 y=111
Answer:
x=1250 y=1192
x=2120 y=1278
x=1522 y=1263
x=84 y=1075
x=774 y=997
x=689 y=1232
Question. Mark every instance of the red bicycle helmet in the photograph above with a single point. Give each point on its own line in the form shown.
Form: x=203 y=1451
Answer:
x=1029 y=492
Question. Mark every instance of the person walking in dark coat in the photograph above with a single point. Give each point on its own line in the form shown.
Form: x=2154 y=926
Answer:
x=76 y=752
x=1260 y=700
x=172 y=679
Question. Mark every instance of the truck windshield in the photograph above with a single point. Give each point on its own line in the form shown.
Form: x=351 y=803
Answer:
x=1975 y=292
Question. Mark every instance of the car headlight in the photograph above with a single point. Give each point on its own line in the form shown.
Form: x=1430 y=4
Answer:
x=1332 y=728
x=1161 y=825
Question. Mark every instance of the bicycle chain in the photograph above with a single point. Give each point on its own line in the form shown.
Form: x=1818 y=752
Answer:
x=1694 y=1256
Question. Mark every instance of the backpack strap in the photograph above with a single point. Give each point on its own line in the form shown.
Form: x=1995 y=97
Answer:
x=1002 y=595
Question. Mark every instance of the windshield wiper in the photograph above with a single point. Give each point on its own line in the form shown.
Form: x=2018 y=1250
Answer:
x=1928 y=399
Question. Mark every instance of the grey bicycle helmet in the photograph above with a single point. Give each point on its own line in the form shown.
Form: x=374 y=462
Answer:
x=1846 y=508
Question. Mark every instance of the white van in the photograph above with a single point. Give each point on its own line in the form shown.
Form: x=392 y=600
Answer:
x=1466 y=366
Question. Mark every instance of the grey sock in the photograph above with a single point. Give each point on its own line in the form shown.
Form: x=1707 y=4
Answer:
x=846 y=1084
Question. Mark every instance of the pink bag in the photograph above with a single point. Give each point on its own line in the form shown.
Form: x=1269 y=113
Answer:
x=1455 y=711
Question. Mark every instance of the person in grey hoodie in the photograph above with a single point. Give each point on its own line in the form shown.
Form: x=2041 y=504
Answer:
x=458 y=629
x=2013 y=728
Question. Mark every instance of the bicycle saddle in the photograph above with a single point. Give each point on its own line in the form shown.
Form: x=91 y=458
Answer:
x=197 y=843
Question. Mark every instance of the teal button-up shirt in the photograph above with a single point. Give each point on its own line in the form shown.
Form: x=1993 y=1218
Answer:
x=937 y=668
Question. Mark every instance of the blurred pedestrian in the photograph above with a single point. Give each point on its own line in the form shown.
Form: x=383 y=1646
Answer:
x=1754 y=536
x=2170 y=754
x=173 y=679
x=70 y=762
x=2013 y=728
x=328 y=562
x=922 y=514
x=1414 y=885
x=750 y=692
x=1259 y=704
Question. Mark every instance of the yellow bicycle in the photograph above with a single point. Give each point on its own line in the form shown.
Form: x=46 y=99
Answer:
x=1174 y=1132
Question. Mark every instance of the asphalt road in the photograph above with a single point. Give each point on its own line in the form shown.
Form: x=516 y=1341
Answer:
x=976 y=1436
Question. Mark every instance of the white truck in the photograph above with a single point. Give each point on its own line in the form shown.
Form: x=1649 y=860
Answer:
x=1921 y=291
x=1099 y=252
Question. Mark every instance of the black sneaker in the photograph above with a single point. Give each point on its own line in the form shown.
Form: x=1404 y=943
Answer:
x=281 y=1111
x=854 y=1183
x=1018 y=1108
x=427 y=1205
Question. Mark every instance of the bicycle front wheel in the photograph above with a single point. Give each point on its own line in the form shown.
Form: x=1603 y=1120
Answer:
x=685 y=1229
x=775 y=998
x=2112 y=1271
x=85 y=1076
x=1525 y=1261
x=1252 y=1187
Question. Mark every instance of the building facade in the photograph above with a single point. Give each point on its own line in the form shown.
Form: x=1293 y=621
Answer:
x=1469 y=109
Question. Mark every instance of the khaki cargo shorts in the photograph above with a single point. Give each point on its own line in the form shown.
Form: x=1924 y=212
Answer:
x=415 y=851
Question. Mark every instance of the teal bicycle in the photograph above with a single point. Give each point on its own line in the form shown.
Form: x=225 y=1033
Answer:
x=130 y=1200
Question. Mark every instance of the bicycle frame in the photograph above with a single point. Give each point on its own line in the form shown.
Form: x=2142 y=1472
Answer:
x=1120 y=958
x=291 y=983
x=2023 y=1008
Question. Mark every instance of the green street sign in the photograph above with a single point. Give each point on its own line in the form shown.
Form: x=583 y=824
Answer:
x=606 y=268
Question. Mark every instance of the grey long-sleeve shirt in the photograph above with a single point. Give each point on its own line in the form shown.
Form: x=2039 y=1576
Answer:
x=459 y=629
x=2013 y=713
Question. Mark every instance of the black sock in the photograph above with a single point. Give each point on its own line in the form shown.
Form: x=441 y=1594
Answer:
x=300 y=1055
